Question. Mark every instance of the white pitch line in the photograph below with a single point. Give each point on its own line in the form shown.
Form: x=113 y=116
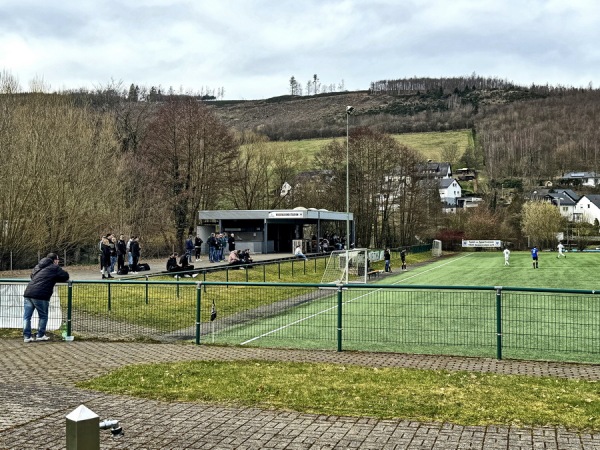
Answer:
x=351 y=300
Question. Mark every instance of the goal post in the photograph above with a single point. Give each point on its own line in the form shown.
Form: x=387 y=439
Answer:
x=436 y=248
x=335 y=271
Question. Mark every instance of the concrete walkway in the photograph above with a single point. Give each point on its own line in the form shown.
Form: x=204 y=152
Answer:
x=37 y=390
x=92 y=272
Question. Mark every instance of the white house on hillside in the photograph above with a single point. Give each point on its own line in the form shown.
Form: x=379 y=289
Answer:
x=565 y=200
x=450 y=190
x=581 y=178
x=587 y=209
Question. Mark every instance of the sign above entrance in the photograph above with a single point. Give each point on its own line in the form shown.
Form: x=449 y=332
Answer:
x=286 y=214
x=482 y=243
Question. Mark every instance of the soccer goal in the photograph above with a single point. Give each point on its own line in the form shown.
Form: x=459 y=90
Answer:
x=436 y=248
x=335 y=272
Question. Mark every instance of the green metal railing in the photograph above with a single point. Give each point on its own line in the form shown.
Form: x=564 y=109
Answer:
x=261 y=271
x=482 y=321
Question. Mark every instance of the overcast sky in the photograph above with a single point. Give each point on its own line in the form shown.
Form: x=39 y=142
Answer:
x=251 y=48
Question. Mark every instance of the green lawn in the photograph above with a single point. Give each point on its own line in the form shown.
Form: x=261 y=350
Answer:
x=385 y=393
x=427 y=144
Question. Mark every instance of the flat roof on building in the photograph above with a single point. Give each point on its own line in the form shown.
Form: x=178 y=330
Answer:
x=268 y=214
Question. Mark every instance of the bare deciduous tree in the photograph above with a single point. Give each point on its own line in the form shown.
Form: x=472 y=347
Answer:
x=384 y=194
x=187 y=151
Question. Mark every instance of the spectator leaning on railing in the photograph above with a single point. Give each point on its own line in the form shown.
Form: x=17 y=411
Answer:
x=37 y=295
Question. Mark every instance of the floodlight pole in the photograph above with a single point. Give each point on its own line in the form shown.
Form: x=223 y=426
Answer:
x=349 y=110
x=558 y=199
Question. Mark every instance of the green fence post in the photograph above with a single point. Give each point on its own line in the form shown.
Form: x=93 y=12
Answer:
x=110 y=296
x=499 y=322
x=69 y=306
x=198 y=304
x=246 y=273
x=339 y=319
x=292 y=268
x=227 y=275
x=146 y=289
x=279 y=270
x=305 y=267
x=264 y=273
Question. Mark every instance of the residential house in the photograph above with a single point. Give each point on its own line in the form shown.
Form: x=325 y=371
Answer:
x=434 y=170
x=449 y=190
x=565 y=200
x=591 y=179
x=587 y=209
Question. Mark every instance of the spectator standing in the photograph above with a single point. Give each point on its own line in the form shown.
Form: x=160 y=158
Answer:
x=231 y=242
x=198 y=247
x=403 y=258
x=121 y=252
x=218 y=247
x=387 y=257
x=212 y=247
x=223 y=239
x=189 y=248
x=105 y=258
x=134 y=247
x=128 y=247
x=37 y=295
x=112 y=242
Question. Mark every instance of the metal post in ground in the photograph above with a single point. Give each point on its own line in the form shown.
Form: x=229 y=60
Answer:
x=69 y=306
x=339 y=319
x=499 y=322
x=83 y=429
x=198 y=316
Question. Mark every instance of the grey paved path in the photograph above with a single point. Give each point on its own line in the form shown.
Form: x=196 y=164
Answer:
x=92 y=272
x=37 y=391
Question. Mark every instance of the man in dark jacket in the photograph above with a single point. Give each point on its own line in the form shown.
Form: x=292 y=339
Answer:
x=37 y=295
x=121 y=252
x=172 y=265
x=134 y=248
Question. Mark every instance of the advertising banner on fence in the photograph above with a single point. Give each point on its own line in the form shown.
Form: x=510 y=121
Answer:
x=11 y=308
x=492 y=243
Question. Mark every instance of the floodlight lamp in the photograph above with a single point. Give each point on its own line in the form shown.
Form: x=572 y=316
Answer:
x=349 y=109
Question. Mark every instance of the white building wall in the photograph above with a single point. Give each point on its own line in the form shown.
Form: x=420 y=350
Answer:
x=586 y=211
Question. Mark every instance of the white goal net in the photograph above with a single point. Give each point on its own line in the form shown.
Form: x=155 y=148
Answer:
x=436 y=248
x=335 y=272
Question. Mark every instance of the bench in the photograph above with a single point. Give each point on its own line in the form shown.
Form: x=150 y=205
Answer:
x=373 y=273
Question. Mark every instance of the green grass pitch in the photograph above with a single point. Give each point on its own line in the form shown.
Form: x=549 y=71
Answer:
x=549 y=326
x=576 y=271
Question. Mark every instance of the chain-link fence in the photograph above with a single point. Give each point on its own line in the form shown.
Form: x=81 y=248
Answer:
x=518 y=323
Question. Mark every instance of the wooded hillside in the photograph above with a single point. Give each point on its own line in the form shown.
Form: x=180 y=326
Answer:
x=76 y=165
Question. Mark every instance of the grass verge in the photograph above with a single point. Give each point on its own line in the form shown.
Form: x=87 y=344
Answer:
x=463 y=398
